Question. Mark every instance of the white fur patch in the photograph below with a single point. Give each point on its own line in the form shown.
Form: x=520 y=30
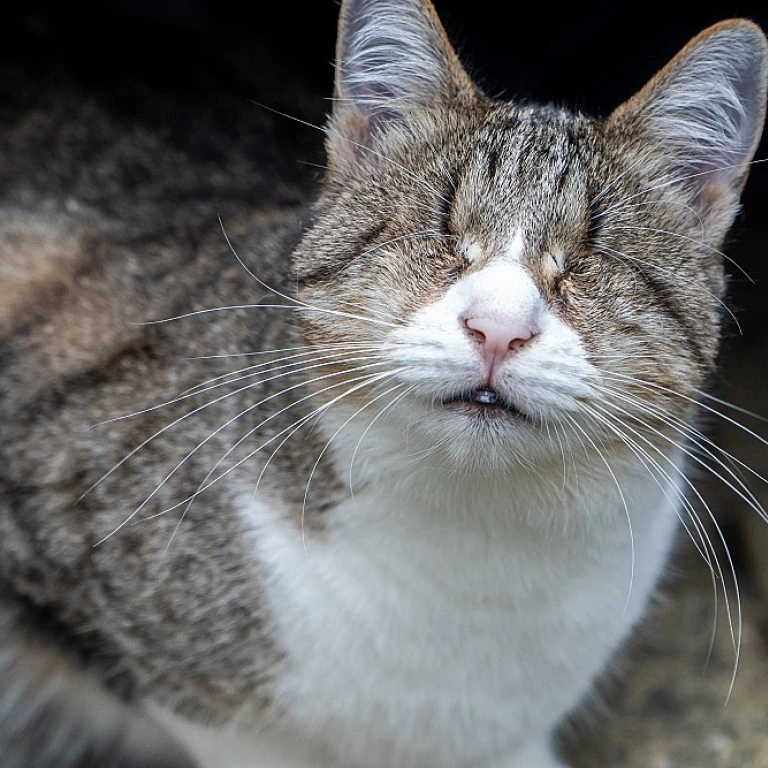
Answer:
x=426 y=635
x=516 y=249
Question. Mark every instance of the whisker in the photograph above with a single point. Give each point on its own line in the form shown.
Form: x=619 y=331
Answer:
x=327 y=445
x=220 y=477
x=736 y=634
x=424 y=234
x=746 y=495
x=224 y=426
x=608 y=420
x=443 y=167
x=248 y=434
x=260 y=368
x=258 y=353
x=296 y=301
x=611 y=184
x=411 y=205
x=681 y=427
x=380 y=312
x=658 y=204
x=239 y=307
x=421 y=182
x=367 y=429
x=651 y=386
x=197 y=410
x=287 y=370
x=733 y=406
x=680 y=179
x=623 y=501
x=706 y=542
x=642 y=263
x=682 y=237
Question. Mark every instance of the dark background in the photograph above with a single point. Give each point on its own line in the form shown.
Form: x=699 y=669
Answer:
x=588 y=54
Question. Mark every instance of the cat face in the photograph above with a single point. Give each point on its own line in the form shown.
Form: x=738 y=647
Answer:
x=526 y=276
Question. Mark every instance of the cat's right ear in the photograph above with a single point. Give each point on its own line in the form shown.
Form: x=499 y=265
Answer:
x=392 y=57
x=705 y=112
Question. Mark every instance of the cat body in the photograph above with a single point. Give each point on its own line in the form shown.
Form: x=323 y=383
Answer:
x=435 y=496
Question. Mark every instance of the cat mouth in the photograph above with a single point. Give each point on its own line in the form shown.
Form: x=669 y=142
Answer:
x=486 y=401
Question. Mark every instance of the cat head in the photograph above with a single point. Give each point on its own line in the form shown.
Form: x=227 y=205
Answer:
x=520 y=276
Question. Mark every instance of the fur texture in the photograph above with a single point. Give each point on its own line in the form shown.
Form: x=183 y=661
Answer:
x=375 y=543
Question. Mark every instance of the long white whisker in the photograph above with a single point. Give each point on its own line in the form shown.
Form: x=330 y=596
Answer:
x=421 y=182
x=238 y=307
x=659 y=204
x=367 y=429
x=262 y=352
x=231 y=450
x=706 y=542
x=733 y=406
x=623 y=500
x=678 y=180
x=682 y=427
x=327 y=445
x=682 y=237
x=227 y=424
x=746 y=495
x=736 y=634
x=271 y=366
x=320 y=409
x=658 y=387
x=203 y=407
x=642 y=264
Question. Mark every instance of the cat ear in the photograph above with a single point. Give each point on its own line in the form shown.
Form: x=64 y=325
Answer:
x=392 y=57
x=705 y=109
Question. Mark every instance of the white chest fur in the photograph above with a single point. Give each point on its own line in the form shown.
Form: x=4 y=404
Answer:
x=439 y=635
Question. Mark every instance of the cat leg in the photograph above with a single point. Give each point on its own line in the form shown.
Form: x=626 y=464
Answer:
x=539 y=754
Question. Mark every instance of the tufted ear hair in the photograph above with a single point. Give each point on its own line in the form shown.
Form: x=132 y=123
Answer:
x=392 y=57
x=705 y=109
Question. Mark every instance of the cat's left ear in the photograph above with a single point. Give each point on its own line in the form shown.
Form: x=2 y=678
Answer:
x=704 y=111
x=392 y=57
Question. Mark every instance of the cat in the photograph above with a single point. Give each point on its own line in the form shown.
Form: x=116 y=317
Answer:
x=431 y=500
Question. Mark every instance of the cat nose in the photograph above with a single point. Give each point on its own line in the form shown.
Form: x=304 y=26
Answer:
x=498 y=338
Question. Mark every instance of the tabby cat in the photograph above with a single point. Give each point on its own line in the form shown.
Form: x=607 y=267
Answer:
x=390 y=491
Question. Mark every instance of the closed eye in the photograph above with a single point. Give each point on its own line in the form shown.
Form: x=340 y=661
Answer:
x=554 y=264
x=559 y=259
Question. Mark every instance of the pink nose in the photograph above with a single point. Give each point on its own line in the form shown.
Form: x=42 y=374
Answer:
x=498 y=338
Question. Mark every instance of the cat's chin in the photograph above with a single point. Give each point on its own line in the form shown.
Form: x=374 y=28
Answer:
x=469 y=435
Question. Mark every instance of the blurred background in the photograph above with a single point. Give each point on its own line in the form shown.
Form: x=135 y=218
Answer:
x=171 y=63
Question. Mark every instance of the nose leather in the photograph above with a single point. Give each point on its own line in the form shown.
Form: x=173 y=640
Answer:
x=498 y=338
